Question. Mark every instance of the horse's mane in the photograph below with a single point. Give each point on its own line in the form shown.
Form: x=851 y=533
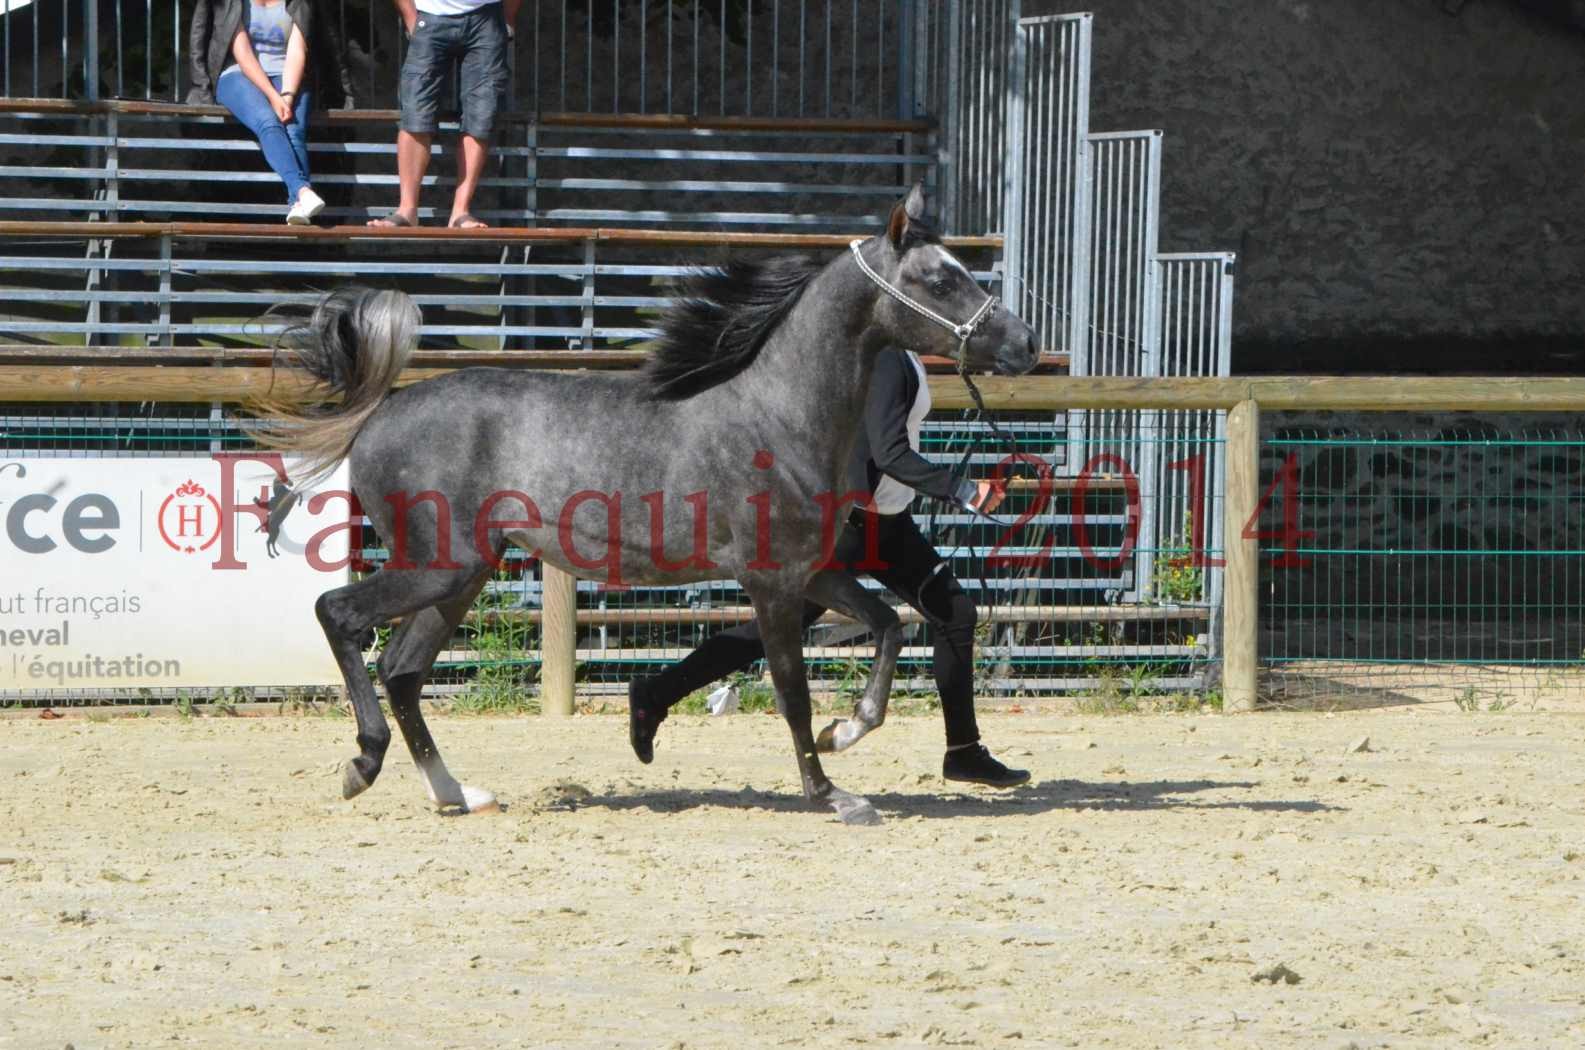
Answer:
x=720 y=321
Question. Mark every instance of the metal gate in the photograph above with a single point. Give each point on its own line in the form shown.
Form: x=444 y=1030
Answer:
x=1080 y=212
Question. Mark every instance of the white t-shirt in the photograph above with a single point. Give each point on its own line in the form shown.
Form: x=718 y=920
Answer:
x=891 y=495
x=451 y=7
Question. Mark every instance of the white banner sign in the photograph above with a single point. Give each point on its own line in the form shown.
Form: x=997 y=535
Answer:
x=166 y=572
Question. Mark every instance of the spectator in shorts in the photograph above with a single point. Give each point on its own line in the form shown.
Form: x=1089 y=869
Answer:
x=473 y=34
x=252 y=56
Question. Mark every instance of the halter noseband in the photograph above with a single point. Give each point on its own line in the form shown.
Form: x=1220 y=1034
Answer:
x=964 y=331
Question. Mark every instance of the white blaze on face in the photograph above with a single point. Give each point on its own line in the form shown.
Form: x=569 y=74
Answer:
x=951 y=262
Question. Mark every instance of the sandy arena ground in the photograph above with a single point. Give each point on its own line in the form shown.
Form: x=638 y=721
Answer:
x=200 y=883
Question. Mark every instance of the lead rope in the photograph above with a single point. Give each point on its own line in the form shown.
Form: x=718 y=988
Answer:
x=981 y=414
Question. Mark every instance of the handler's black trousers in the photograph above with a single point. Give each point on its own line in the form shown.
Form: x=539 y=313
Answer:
x=911 y=574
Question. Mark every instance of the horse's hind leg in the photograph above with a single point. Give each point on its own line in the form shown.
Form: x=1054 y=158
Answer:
x=781 y=629
x=840 y=591
x=346 y=613
x=404 y=666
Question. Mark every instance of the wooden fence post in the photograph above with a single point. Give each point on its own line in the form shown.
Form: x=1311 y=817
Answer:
x=1241 y=590
x=558 y=642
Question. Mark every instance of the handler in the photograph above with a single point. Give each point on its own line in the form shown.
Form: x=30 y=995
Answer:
x=885 y=462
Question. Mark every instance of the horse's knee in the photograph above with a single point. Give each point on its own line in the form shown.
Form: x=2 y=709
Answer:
x=329 y=613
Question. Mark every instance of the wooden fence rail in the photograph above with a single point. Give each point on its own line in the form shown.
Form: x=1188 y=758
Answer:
x=1244 y=397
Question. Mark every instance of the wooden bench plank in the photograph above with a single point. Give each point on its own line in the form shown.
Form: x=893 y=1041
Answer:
x=629 y=121
x=223 y=231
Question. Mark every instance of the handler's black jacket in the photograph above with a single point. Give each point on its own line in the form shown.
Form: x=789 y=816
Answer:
x=882 y=446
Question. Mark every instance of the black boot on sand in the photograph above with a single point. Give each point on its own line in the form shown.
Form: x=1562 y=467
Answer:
x=974 y=765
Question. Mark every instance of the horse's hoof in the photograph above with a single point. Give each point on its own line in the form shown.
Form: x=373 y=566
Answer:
x=853 y=810
x=642 y=721
x=826 y=742
x=473 y=800
x=353 y=782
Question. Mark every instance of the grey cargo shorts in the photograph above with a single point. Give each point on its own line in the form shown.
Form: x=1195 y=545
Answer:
x=478 y=41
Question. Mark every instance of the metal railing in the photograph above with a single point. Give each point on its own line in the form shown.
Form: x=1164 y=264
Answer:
x=120 y=165
x=815 y=58
x=189 y=284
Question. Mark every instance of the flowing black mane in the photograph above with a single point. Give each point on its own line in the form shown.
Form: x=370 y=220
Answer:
x=720 y=321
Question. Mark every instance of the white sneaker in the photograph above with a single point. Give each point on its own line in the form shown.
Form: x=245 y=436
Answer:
x=308 y=205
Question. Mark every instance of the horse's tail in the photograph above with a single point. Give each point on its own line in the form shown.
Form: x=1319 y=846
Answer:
x=354 y=345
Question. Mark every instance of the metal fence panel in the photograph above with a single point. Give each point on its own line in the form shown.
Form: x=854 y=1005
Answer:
x=1196 y=305
x=1442 y=561
x=969 y=48
x=1046 y=211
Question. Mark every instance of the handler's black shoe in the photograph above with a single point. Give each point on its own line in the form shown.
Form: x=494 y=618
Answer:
x=976 y=766
x=643 y=718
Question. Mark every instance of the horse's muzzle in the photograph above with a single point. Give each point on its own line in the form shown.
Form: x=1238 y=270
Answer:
x=1018 y=355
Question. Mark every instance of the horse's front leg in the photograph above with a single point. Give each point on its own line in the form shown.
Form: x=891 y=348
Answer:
x=781 y=631
x=843 y=592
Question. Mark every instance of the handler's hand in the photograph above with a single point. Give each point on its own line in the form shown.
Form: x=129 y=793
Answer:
x=989 y=496
x=283 y=109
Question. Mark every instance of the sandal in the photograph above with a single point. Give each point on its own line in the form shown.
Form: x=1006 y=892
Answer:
x=467 y=222
x=393 y=219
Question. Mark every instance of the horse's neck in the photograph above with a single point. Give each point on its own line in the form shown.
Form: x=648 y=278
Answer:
x=820 y=359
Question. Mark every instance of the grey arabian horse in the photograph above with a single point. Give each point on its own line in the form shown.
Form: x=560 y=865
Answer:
x=731 y=445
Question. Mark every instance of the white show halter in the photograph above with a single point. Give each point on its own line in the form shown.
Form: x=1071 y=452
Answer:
x=964 y=331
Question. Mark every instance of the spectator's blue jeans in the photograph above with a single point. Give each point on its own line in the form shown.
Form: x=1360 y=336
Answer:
x=285 y=145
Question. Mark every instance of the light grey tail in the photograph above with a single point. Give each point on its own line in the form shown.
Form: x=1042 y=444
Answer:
x=354 y=347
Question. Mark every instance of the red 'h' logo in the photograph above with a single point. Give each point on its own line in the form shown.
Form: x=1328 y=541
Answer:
x=189 y=519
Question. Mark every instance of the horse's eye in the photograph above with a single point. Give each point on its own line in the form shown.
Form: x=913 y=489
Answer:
x=941 y=286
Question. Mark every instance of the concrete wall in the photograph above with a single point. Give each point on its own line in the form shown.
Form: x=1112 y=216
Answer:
x=1405 y=187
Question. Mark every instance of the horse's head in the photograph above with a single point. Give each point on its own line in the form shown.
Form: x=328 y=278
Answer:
x=931 y=304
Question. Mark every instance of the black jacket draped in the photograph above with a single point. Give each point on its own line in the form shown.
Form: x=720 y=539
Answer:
x=882 y=446
x=215 y=25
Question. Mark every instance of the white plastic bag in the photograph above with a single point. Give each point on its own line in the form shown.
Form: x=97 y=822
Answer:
x=723 y=701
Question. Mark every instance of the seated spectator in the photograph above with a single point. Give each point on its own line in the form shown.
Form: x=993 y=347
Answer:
x=252 y=56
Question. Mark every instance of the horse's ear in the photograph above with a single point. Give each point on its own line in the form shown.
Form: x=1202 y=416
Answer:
x=908 y=210
x=897 y=226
